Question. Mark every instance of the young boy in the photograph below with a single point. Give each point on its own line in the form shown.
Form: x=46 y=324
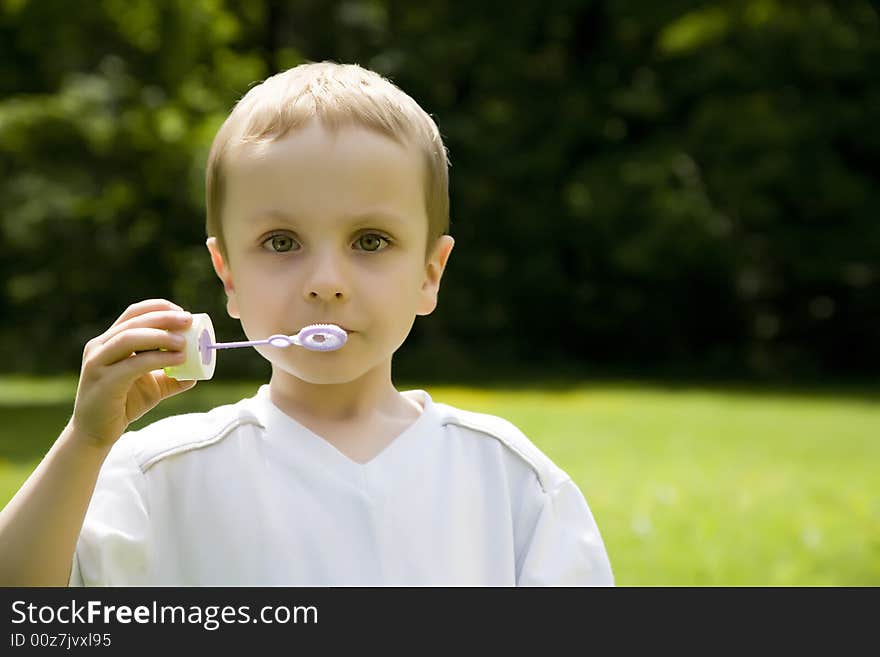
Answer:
x=327 y=202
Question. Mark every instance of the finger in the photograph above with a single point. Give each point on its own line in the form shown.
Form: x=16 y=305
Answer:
x=169 y=320
x=127 y=371
x=134 y=341
x=163 y=385
x=146 y=306
x=168 y=386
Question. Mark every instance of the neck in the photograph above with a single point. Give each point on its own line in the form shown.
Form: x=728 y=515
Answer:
x=351 y=401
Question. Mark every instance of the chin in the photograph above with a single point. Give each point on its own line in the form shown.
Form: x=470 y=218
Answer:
x=318 y=375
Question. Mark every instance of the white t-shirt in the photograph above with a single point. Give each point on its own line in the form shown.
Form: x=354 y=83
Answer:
x=244 y=495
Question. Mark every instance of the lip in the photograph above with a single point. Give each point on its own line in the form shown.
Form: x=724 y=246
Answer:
x=347 y=330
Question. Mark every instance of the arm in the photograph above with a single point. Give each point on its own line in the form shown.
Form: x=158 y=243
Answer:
x=40 y=525
x=121 y=379
x=565 y=547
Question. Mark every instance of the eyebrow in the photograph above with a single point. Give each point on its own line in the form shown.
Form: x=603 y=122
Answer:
x=355 y=221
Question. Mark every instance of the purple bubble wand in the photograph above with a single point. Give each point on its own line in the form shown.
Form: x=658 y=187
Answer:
x=315 y=337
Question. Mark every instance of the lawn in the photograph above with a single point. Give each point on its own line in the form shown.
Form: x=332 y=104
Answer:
x=689 y=485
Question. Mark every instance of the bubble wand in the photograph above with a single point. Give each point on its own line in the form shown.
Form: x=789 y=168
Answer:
x=201 y=345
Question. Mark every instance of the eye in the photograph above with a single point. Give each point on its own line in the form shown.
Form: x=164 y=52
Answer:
x=279 y=243
x=372 y=242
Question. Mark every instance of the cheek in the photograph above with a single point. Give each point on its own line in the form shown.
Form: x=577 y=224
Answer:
x=249 y=289
x=259 y=297
x=398 y=288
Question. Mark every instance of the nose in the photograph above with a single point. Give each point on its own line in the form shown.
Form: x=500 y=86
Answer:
x=326 y=280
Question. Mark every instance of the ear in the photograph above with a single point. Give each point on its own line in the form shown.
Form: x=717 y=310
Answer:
x=434 y=269
x=221 y=267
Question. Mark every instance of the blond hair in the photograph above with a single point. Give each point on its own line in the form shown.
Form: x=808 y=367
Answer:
x=337 y=95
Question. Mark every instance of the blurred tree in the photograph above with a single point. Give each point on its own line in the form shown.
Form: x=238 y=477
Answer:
x=634 y=184
x=105 y=124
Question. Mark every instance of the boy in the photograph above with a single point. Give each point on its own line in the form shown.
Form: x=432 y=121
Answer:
x=327 y=202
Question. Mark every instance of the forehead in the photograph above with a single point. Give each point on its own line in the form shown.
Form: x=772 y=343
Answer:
x=314 y=172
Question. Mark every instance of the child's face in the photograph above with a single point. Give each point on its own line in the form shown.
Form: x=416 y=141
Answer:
x=328 y=228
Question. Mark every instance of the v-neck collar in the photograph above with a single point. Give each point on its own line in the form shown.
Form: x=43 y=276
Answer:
x=280 y=425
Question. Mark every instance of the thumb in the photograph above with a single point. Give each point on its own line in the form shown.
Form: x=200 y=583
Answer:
x=168 y=386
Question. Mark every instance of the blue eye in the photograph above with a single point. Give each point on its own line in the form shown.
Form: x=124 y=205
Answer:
x=279 y=243
x=372 y=241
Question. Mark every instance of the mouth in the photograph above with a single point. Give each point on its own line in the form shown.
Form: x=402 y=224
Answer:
x=344 y=328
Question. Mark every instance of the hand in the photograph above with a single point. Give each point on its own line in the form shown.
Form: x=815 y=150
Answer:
x=122 y=377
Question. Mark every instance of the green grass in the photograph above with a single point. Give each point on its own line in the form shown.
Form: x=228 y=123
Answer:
x=690 y=486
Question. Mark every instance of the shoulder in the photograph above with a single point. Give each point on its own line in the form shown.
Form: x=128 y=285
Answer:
x=483 y=426
x=178 y=434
